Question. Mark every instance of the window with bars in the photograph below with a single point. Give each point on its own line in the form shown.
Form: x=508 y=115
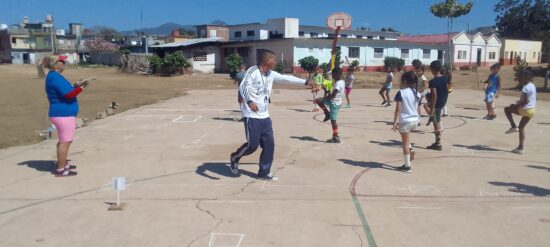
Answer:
x=378 y=52
x=353 y=52
x=425 y=53
x=404 y=53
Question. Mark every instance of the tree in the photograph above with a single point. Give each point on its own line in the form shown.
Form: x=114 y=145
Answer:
x=353 y=66
x=325 y=67
x=309 y=64
x=525 y=19
x=234 y=61
x=450 y=10
x=338 y=57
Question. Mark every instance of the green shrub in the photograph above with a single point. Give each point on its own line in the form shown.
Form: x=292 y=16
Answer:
x=174 y=63
x=394 y=62
x=281 y=66
x=154 y=63
x=233 y=61
x=520 y=65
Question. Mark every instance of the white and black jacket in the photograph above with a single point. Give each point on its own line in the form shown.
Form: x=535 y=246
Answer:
x=256 y=88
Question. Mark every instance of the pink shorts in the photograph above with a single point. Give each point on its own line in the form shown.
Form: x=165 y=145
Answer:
x=348 y=90
x=65 y=126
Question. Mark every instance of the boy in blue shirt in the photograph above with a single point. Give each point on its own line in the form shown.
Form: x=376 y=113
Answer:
x=492 y=88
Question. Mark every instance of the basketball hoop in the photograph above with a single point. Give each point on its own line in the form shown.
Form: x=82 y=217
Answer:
x=337 y=22
x=339 y=19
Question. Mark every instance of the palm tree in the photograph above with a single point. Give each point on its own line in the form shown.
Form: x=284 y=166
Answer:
x=450 y=10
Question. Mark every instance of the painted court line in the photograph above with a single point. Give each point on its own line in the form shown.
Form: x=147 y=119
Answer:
x=528 y=208
x=419 y=208
x=203 y=136
x=179 y=119
x=214 y=236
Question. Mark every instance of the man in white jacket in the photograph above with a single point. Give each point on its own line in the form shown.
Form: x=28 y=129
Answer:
x=256 y=90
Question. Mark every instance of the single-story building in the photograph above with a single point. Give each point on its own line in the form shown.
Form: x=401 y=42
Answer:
x=204 y=54
x=528 y=50
x=369 y=53
x=467 y=49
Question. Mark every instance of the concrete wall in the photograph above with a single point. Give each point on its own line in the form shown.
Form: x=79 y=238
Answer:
x=105 y=58
x=259 y=32
x=209 y=65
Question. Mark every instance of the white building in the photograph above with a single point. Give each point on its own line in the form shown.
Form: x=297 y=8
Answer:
x=469 y=50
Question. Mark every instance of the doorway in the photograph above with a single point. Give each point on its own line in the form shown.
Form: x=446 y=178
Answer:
x=478 y=58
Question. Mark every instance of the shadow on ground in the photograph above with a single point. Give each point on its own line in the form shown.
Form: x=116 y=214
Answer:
x=523 y=188
x=40 y=165
x=390 y=143
x=230 y=119
x=386 y=122
x=299 y=110
x=368 y=164
x=479 y=147
x=306 y=138
x=540 y=167
x=221 y=169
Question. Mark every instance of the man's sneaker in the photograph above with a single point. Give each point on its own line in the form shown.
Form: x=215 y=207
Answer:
x=512 y=130
x=388 y=104
x=492 y=117
x=486 y=117
x=435 y=146
x=334 y=140
x=404 y=168
x=517 y=151
x=234 y=164
x=445 y=115
x=327 y=117
x=269 y=177
x=384 y=102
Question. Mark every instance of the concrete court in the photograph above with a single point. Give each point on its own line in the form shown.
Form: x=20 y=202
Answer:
x=174 y=155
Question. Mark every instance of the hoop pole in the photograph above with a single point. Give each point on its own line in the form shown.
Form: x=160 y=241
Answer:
x=333 y=53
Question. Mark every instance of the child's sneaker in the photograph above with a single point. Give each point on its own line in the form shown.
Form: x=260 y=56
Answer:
x=486 y=117
x=518 y=151
x=347 y=106
x=334 y=140
x=384 y=102
x=445 y=115
x=435 y=146
x=388 y=104
x=492 y=117
x=404 y=168
x=512 y=130
x=269 y=177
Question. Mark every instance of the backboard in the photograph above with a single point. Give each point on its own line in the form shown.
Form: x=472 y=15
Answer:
x=339 y=19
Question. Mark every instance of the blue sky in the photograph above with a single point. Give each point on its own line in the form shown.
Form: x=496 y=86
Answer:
x=409 y=16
